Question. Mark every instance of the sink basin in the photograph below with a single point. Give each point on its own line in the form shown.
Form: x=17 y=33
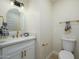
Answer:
x=5 y=40
x=8 y=40
x=2 y=41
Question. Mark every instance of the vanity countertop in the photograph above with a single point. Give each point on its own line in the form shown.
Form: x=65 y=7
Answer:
x=11 y=41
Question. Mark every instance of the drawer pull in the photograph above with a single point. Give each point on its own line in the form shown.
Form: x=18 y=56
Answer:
x=24 y=52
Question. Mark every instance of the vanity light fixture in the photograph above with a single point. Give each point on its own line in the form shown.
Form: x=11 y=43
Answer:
x=17 y=3
x=12 y=2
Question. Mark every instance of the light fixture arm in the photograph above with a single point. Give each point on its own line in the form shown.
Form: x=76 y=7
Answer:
x=17 y=3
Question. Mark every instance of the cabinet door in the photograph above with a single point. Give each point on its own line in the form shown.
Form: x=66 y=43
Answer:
x=15 y=55
x=29 y=51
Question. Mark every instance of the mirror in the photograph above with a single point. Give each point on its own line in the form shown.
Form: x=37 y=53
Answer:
x=13 y=20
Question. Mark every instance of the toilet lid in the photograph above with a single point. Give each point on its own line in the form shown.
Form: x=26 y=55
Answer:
x=65 y=55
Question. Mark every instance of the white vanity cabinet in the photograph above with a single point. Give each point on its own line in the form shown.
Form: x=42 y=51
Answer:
x=21 y=50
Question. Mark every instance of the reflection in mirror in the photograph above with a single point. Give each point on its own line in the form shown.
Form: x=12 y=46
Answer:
x=3 y=28
x=1 y=20
x=13 y=20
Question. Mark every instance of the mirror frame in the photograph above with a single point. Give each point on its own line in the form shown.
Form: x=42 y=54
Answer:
x=1 y=20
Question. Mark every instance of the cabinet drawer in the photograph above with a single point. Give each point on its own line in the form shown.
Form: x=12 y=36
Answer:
x=17 y=47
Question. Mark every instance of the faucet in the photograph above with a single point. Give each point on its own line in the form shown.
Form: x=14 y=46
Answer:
x=17 y=34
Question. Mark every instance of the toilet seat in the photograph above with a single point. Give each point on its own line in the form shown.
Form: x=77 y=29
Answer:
x=65 y=55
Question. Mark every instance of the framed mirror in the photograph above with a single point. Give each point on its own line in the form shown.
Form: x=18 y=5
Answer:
x=13 y=20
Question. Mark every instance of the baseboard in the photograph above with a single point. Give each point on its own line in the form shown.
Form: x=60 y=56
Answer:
x=53 y=52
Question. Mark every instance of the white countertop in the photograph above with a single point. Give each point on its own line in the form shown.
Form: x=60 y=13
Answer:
x=10 y=41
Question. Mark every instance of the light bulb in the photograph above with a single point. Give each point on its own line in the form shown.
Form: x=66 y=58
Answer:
x=22 y=7
x=12 y=3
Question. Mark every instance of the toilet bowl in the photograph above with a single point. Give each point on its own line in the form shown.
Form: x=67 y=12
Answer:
x=63 y=54
x=68 y=46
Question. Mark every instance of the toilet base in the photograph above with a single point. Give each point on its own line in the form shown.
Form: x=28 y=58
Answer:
x=63 y=54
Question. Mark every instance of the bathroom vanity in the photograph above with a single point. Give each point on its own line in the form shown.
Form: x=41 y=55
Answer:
x=18 y=48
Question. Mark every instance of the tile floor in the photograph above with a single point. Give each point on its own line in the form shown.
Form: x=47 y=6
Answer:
x=54 y=57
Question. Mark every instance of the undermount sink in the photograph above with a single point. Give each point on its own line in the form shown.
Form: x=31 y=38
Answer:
x=2 y=41
x=8 y=40
x=11 y=40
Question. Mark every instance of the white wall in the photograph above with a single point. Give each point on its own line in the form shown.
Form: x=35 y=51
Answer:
x=45 y=26
x=63 y=10
x=39 y=22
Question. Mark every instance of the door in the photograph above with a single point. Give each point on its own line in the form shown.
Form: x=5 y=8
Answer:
x=15 y=55
x=29 y=51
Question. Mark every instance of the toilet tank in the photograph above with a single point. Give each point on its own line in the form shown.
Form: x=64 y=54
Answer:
x=69 y=44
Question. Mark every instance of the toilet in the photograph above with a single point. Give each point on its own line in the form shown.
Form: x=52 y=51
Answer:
x=68 y=48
